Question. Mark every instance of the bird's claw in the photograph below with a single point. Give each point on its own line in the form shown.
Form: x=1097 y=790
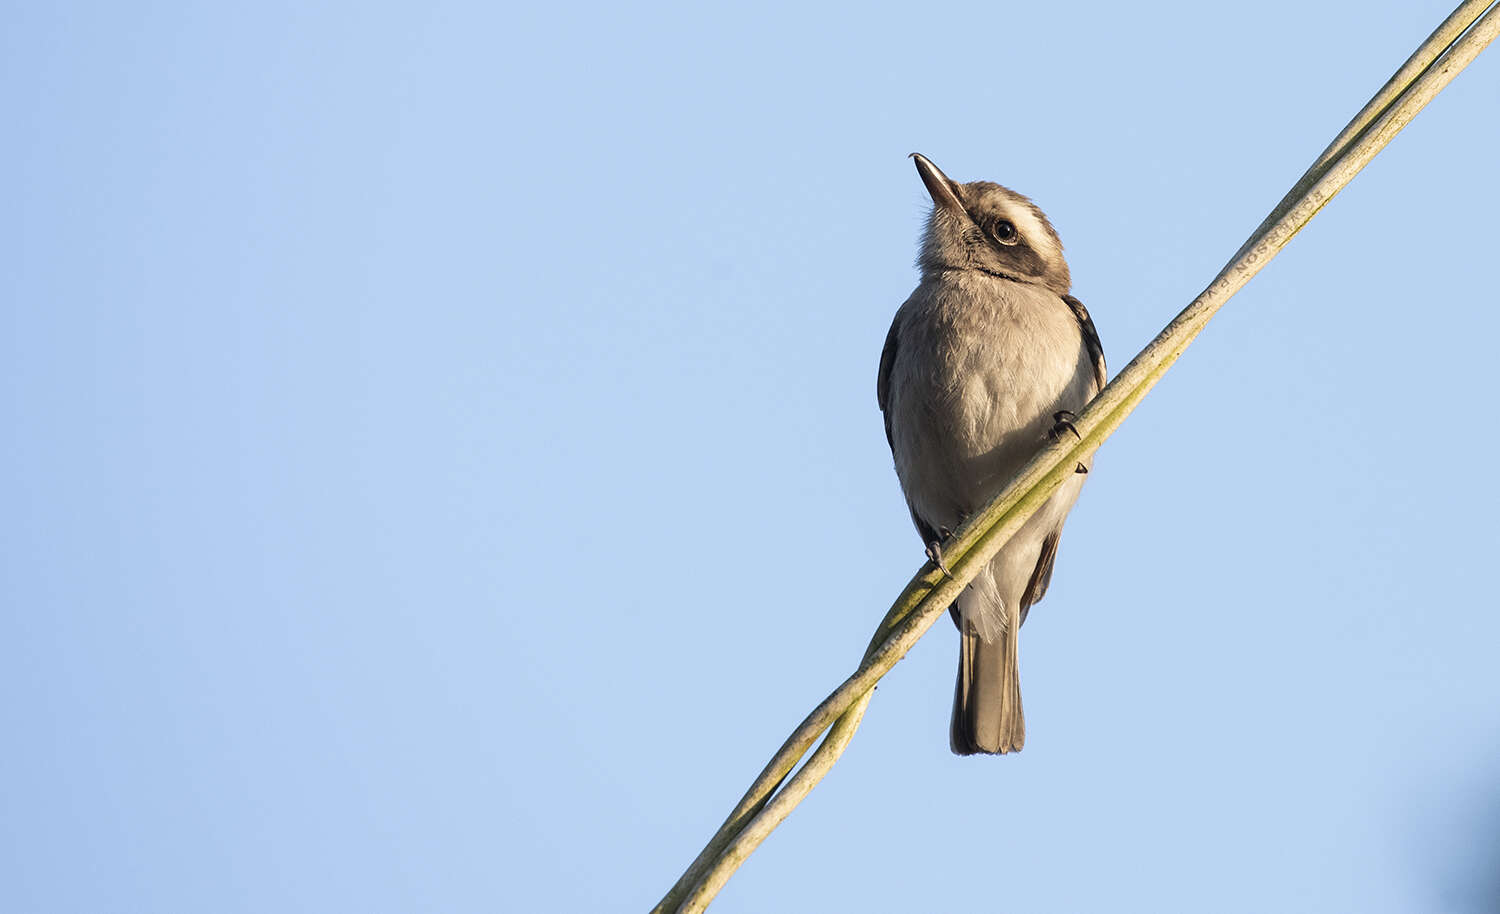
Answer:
x=935 y=555
x=1063 y=419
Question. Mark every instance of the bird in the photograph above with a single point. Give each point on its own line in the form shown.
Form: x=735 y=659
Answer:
x=988 y=360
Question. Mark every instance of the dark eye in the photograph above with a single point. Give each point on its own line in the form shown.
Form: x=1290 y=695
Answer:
x=1005 y=232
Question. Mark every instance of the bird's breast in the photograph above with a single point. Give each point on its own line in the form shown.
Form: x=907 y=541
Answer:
x=983 y=366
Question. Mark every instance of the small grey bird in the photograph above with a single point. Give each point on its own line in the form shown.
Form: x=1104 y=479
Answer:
x=986 y=361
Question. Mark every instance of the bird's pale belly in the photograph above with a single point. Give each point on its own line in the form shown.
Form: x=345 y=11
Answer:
x=981 y=417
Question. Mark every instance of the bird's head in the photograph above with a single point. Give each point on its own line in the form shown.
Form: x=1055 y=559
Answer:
x=983 y=226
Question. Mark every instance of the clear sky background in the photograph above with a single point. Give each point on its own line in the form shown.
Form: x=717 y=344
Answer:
x=441 y=460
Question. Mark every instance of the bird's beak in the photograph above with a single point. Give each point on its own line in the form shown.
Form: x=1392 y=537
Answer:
x=944 y=194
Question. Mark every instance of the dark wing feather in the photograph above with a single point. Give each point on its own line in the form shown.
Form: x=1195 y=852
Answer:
x=1041 y=576
x=1090 y=338
x=883 y=397
x=883 y=380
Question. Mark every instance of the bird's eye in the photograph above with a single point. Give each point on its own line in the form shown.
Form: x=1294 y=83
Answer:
x=1005 y=232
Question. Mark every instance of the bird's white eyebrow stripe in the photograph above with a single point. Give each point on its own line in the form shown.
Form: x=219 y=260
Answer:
x=1032 y=231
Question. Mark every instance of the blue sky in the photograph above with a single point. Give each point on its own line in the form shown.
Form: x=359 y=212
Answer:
x=442 y=460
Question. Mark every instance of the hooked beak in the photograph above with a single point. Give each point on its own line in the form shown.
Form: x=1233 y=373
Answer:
x=943 y=191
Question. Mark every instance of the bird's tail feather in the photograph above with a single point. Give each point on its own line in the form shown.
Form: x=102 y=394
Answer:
x=987 y=713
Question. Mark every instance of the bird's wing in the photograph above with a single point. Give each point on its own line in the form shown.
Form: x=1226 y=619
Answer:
x=928 y=531
x=1041 y=576
x=1090 y=340
x=883 y=380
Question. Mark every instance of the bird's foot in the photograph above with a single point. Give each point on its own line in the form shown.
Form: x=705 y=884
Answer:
x=1063 y=421
x=935 y=556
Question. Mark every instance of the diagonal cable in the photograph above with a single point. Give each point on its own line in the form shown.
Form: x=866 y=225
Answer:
x=1450 y=48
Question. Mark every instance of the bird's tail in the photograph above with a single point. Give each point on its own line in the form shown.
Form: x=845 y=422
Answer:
x=987 y=698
